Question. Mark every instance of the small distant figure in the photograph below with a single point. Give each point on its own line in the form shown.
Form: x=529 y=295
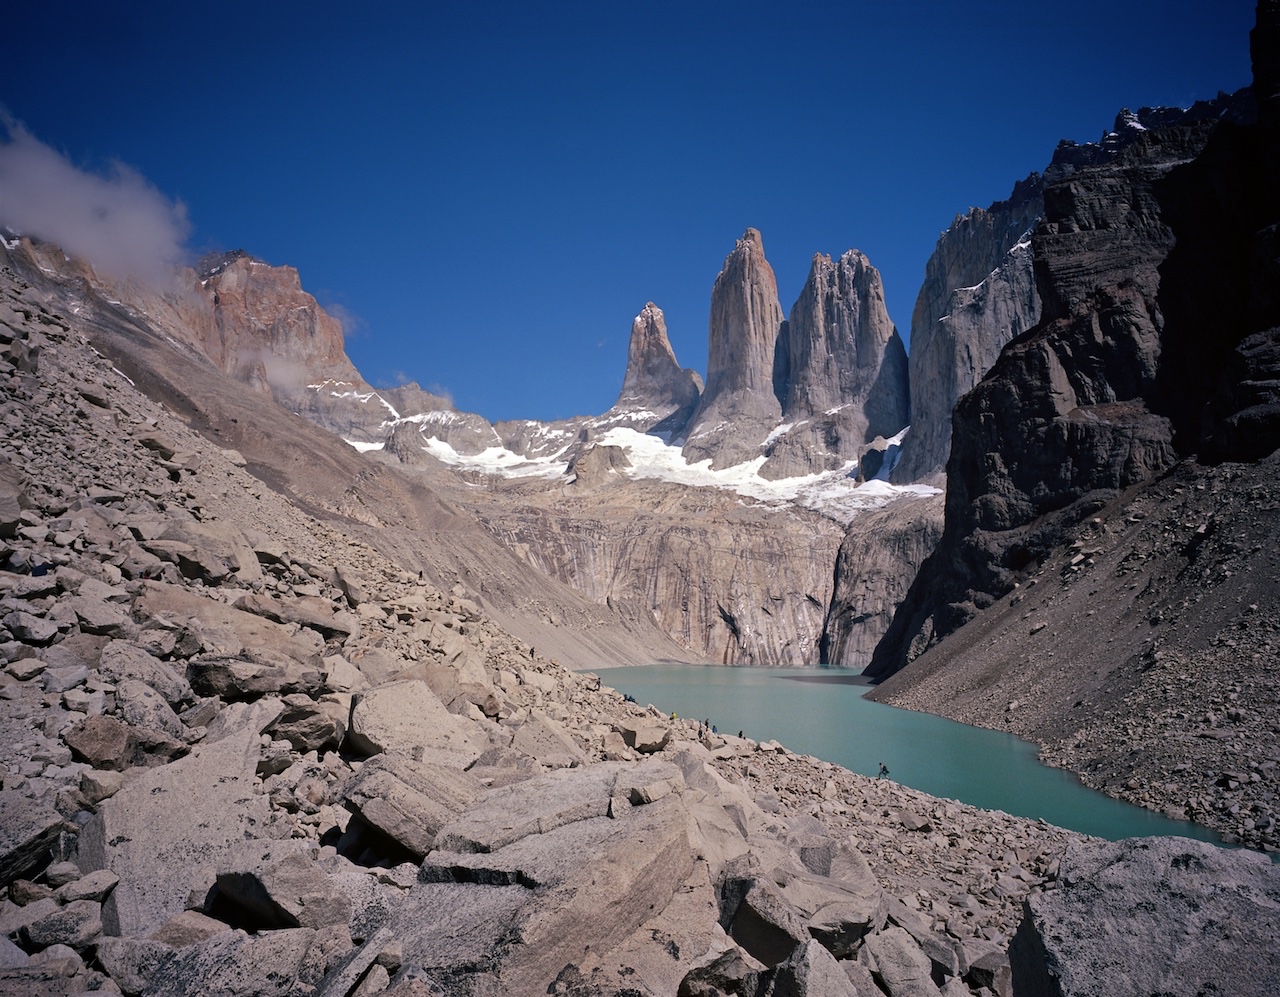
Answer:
x=884 y=770
x=673 y=714
x=531 y=652
x=739 y=733
x=714 y=729
x=598 y=683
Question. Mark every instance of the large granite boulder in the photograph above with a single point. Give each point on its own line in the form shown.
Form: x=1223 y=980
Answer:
x=1171 y=916
x=162 y=827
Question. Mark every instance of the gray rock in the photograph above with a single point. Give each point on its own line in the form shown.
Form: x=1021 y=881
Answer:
x=289 y=892
x=96 y=786
x=62 y=678
x=11 y=957
x=306 y=724
x=95 y=886
x=811 y=971
x=619 y=881
x=756 y=915
x=978 y=293
x=339 y=981
x=28 y=832
x=543 y=738
x=306 y=611
x=741 y=403
x=76 y=925
x=233 y=964
x=124 y=660
x=902 y=969
x=188 y=928
x=645 y=737
x=260 y=673
x=1152 y=915
x=409 y=801
x=142 y=706
x=658 y=395
x=847 y=369
x=167 y=823
x=29 y=628
x=13 y=499
x=98 y=617
x=131 y=962
x=407 y=718
x=534 y=806
x=731 y=972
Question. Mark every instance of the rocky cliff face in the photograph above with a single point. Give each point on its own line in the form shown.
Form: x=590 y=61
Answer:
x=658 y=395
x=732 y=584
x=846 y=370
x=1143 y=265
x=878 y=560
x=978 y=293
x=267 y=331
x=742 y=402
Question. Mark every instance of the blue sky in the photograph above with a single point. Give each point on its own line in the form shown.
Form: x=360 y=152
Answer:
x=491 y=191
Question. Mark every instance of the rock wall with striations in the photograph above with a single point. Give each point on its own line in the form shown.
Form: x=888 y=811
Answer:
x=1152 y=294
x=846 y=370
x=742 y=402
x=978 y=293
x=879 y=557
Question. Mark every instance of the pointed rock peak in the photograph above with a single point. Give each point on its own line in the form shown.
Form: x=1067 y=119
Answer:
x=655 y=381
x=649 y=343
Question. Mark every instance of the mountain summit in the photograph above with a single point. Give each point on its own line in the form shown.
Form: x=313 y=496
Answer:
x=657 y=393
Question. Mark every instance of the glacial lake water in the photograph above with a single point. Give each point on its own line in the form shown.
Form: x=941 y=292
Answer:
x=820 y=712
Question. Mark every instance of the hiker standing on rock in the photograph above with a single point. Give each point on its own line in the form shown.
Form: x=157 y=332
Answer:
x=884 y=770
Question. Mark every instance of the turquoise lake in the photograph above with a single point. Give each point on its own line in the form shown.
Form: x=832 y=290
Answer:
x=820 y=712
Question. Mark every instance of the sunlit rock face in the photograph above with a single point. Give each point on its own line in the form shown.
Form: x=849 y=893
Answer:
x=978 y=293
x=658 y=395
x=742 y=401
x=846 y=370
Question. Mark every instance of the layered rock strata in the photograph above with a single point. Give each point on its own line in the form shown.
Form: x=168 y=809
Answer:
x=878 y=560
x=1112 y=386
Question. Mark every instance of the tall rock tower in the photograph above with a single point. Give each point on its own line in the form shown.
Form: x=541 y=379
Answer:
x=979 y=292
x=847 y=369
x=742 y=402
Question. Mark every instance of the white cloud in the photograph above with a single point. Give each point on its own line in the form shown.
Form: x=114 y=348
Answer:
x=117 y=221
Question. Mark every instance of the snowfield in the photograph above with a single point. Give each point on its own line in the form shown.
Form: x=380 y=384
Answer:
x=836 y=494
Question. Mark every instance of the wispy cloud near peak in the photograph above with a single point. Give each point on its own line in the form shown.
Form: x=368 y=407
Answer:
x=117 y=221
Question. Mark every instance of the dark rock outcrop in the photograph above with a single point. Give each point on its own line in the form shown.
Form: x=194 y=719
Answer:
x=742 y=401
x=1145 y=270
x=846 y=369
